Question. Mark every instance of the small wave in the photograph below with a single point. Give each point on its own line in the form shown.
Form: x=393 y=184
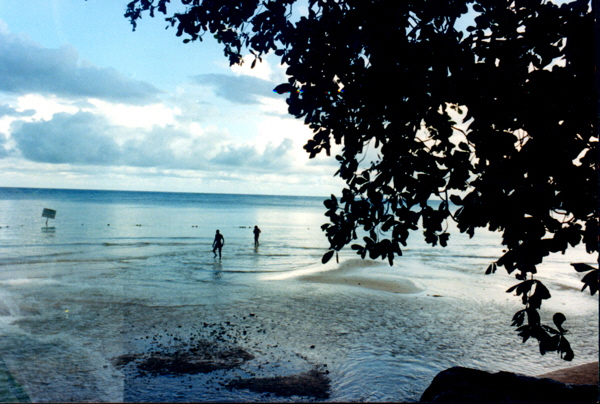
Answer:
x=146 y=244
x=318 y=267
x=28 y=261
x=28 y=281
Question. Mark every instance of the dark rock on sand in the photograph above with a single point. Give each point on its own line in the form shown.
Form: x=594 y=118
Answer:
x=459 y=384
x=186 y=362
x=313 y=383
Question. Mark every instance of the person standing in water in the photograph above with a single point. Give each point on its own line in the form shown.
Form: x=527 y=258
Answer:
x=256 y=234
x=218 y=243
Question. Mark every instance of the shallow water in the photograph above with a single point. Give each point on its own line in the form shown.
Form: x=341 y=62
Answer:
x=125 y=273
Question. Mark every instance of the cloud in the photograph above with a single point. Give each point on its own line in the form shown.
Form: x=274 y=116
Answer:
x=7 y=110
x=26 y=67
x=262 y=68
x=238 y=89
x=85 y=138
x=3 y=151
x=74 y=139
x=273 y=157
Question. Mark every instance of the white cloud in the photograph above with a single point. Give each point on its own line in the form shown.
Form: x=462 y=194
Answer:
x=262 y=69
x=134 y=116
x=45 y=106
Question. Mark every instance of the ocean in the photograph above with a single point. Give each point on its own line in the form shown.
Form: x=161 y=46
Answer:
x=118 y=278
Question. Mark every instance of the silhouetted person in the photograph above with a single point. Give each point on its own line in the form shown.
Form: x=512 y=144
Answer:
x=218 y=243
x=256 y=234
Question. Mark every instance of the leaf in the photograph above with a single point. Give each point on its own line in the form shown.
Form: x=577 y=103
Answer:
x=455 y=199
x=284 y=88
x=581 y=267
x=566 y=353
x=327 y=256
x=512 y=288
x=541 y=290
x=521 y=277
x=518 y=318
x=491 y=269
x=463 y=146
x=548 y=343
x=533 y=317
x=558 y=320
x=524 y=332
x=591 y=280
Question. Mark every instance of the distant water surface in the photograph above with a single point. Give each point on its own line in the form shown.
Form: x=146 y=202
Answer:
x=116 y=272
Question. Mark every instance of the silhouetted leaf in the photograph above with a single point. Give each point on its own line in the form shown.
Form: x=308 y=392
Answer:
x=455 y=199
x=512 y=288
x=591 y=280
x=541 y=291
x=284 y=88
x=559 y=320
x=518 y=318
x=444 y=239
x=491 y=269
x=327 y=256
x=581 y=267
x=564 y=347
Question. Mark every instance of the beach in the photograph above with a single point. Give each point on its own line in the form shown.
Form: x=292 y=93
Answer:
x=121 y=299
x=581 y=374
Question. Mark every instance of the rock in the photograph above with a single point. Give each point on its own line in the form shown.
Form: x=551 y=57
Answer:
x=460 y=384
x=313 y=383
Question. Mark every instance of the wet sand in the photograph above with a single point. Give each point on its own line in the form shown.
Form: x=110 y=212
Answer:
x=365 y=274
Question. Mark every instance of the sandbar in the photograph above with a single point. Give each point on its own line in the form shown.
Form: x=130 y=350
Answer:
x=365 y=274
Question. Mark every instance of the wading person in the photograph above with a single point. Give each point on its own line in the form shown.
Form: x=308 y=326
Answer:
x=218 y=243
x=256 y=234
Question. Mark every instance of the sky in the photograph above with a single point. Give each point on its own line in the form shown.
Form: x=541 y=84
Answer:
x=87 y=103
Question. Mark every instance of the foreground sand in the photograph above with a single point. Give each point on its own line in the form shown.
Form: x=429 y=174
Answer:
x=582 y=374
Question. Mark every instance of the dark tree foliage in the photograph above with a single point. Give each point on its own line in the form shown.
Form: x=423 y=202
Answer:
x=498 y=120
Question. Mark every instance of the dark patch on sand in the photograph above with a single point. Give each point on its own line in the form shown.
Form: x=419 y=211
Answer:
x=202 y=358
x=314 y=383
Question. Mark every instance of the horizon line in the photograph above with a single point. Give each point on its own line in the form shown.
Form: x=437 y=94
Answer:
x=163 y=192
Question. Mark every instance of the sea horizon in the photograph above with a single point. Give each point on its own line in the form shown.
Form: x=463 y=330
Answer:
x=165 y=192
